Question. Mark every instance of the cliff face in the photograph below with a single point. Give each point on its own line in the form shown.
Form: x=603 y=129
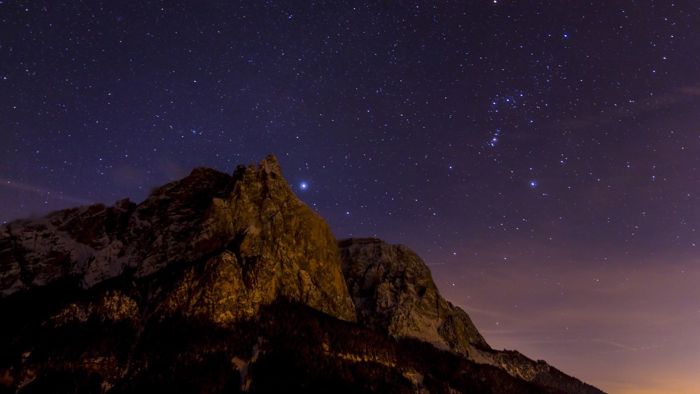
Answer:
x=251 y=238
x=394 y=293
x=229 y=283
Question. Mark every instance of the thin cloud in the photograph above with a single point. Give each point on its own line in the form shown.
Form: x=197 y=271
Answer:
x=635 y=108
x=26 y=187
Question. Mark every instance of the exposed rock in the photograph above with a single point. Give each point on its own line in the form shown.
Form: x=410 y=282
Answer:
x=229 y=283
x=394 y=293
x=253 y=241
x=520 y=366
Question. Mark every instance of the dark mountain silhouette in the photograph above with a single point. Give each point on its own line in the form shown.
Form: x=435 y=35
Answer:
x=222 y=283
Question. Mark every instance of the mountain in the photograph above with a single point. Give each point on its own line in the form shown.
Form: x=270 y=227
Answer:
x=229 y=283
x=394 y=294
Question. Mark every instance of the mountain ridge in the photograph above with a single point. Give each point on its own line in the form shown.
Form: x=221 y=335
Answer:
x=219 y=251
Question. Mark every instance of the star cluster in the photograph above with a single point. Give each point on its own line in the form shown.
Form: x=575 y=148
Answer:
x=542 y=157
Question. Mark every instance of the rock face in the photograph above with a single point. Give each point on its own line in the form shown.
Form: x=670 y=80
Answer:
x=229 y=283
x=254 y=239
x=394 y=293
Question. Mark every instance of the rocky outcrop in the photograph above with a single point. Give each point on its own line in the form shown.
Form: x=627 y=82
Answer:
x=394 y=293
x=246 y=240
x=518 y=365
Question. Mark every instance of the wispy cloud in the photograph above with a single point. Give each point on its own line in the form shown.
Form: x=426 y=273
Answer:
x=636 y=107
x=26 y=187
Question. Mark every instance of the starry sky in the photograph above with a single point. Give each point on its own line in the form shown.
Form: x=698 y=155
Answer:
x=541 y=156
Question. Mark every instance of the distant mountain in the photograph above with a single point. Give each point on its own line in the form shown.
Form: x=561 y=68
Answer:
x=222 y=283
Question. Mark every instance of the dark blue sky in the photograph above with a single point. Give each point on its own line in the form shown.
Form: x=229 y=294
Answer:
x=542 y=154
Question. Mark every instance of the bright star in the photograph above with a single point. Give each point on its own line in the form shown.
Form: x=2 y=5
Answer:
x=533 y=183
x=303 y=186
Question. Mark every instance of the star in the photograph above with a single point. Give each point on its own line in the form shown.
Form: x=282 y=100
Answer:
x=388 y=117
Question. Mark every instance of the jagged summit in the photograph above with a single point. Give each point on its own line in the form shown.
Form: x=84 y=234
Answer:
x=229 y=283
x=226 y=222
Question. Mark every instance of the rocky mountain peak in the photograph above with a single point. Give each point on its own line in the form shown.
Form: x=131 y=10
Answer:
x=271 y=165
x=256 y=240
x=226 y=283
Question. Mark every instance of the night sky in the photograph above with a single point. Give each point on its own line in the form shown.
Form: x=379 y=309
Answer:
x=542 y=156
